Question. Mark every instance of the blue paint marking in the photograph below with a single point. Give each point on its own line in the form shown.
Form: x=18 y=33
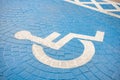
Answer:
x=41 y=18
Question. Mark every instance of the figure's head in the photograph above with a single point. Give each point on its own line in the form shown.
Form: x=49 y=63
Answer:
x=22 y=34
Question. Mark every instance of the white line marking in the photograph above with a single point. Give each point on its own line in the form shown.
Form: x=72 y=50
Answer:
x=97 y=5
x=48 y=41
x=99 y=8
x=38 y=51
x=86 y=56
x=52 y=36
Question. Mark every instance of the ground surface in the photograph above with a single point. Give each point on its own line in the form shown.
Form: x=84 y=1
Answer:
x=41 y=18
x=116 y=0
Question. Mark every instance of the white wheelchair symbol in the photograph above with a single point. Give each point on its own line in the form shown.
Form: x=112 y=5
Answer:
x=38 y=51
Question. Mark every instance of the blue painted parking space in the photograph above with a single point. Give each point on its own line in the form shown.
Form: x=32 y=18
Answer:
x=62 y=30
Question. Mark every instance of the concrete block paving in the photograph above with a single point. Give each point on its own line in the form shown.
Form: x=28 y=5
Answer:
x=43 y=17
